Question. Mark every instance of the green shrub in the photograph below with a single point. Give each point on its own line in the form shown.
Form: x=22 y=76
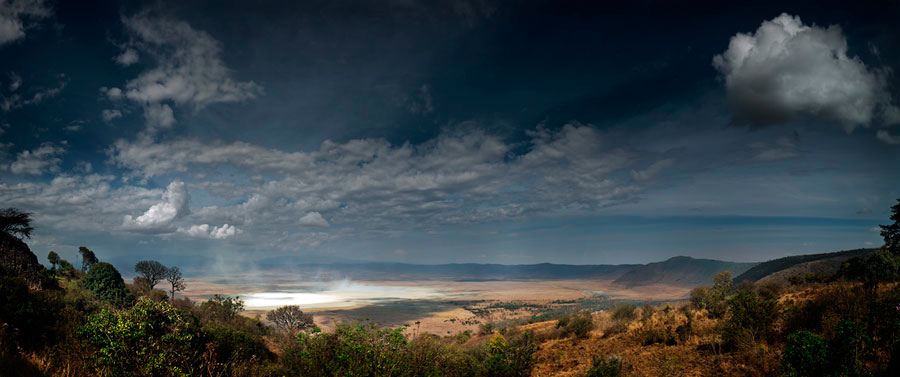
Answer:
x=105 y=281
x=578 y=324
x=847 y=349
x=805 y=354
x=605 y=367
x=149 y=339
x=750 y=317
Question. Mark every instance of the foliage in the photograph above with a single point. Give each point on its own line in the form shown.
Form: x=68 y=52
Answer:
x=891 y=232
x=105 y=281
x=88 y=258
x=53 y=258
x=605 y=367
x=805 y=354
x=220 y=309
x=152 y=271
x=750 y=318
x=623 y=312
x=290 y=319
x=149 y=339
x=714 y=299
x=15 y=223
x=579 y=324
x=847 y=349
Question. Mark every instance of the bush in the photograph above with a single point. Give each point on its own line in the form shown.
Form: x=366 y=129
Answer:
x=578 y=324
x=105 y=281
x=750 y=317
x=605 y=367
x=847 y=349
x=149 y=339
x=805 y=354
x=624 y=312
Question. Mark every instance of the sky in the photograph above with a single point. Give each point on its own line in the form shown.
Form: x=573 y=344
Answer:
x=205 y=133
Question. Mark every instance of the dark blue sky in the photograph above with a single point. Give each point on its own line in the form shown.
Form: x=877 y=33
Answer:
x=513 y=132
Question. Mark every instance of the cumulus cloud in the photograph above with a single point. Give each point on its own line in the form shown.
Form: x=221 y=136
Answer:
x=160 y=216
x=786 y=70
x=43 y=159
x=189 y=70
x=215 y=232
x=314 y=219
x=17 y=16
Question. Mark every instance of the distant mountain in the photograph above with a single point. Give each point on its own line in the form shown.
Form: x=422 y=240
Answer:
x=782 y=268
x=680 y=271
x=455 y=271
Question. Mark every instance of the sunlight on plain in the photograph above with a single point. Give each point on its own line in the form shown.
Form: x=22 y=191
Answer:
x=338 y=294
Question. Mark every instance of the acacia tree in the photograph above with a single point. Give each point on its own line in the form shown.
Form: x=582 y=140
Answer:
x=290 y=319
x=152 y=271
x=891 y=232
x=15 y=223
x=87 y=258
x=53 y=258
x=176 y=281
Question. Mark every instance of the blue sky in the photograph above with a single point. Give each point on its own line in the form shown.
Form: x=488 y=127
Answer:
x=449 y=131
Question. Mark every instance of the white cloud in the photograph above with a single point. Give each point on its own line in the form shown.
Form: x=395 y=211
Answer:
x=16 y=15
x=109 y=115
x=127 y=57
x=216 y=232
x=160 y=216
x=16 y=100
x=456 y=177
x=38 y=161
x=314 y=219
x=189 y=70
x=786 y=70
x=158 y=116
x=886 y=137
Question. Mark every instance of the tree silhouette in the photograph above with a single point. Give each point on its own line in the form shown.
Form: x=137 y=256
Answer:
x=15 y=223
x=53 y=258
x=152 y=271
x=176 y=281
x=891 y=232
x=87 y=258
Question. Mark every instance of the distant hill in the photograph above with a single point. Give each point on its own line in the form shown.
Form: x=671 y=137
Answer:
x=779 y=269
x=680 y=271
x=456 y=271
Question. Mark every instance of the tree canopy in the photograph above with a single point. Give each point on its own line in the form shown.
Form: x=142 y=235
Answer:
x=15 y=223
x=152 y=271
x=105 y=281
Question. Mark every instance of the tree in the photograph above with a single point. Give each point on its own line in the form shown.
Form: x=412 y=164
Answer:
x=176 y=281
x=53 y=258
x=891 y=232
x=105 y=281
x=152 y=271
x=87 y=258
x=221 y=308
x=290 y=319
x=15 y=223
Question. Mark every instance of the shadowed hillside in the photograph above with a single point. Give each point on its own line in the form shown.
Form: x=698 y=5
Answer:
x=767 y=268
x=681 y=271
